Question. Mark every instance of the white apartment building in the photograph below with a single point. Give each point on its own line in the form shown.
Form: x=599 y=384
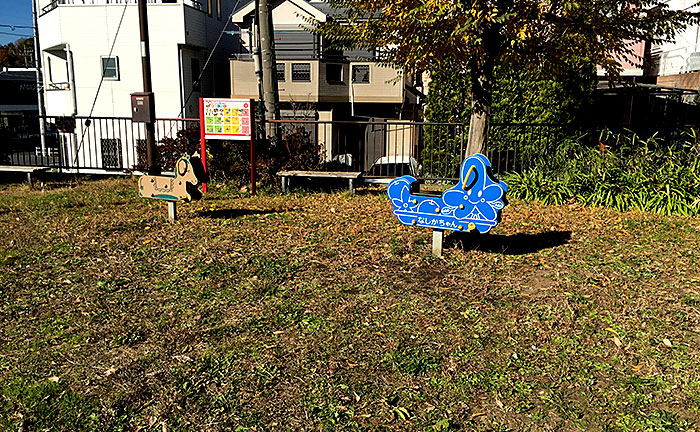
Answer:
x=77 y=36
x=682 y=55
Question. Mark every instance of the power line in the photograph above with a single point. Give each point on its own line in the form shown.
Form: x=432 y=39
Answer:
x=206 y=63
x=13 y=27
x=16 y=34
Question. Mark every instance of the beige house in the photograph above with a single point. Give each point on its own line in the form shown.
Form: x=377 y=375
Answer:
x=319 y=83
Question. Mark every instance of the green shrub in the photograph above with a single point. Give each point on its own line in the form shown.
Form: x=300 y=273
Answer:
x=230 y=160
x=623 y=172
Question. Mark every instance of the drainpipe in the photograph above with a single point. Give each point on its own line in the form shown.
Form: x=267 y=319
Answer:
x=71 y=79
x=183 y=111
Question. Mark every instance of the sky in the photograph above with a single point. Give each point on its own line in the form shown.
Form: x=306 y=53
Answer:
x=13 y=13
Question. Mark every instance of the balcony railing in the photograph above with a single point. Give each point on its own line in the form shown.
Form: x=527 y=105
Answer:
x=56 y=3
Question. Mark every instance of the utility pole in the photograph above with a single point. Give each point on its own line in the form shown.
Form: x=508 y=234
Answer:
x=39 y=82
x=270 y=91
x=257 y=62
x=151 y=151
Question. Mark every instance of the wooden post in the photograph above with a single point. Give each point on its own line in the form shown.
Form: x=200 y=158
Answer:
x=438 y=236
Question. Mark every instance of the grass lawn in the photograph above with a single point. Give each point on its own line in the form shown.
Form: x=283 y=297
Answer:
x=315 y=311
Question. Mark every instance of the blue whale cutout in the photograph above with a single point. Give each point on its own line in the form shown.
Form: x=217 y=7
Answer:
x=475 y=203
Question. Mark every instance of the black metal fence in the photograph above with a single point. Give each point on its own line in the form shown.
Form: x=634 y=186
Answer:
x=431 y=151
x=379 y=148
x=81 y=144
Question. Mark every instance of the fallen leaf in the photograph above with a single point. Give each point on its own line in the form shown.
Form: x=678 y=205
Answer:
x=667 y=342
x=617 y=342
x=53 y=379
x=475 y=415
x=611 y=330
x=638 y=367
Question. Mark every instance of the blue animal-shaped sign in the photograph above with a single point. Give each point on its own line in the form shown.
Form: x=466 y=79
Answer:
x=473 y=204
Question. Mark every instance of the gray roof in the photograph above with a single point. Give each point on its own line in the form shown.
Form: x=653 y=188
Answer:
x=322 y=6
x=17 y=75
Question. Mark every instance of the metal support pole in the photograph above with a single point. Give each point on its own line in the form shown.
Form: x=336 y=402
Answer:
x=438 y=236
x=39 y=82
x=151 y=151
x=172 y=211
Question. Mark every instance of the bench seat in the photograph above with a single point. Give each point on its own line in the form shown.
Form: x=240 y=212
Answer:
x=352 y=177
x=29 y=170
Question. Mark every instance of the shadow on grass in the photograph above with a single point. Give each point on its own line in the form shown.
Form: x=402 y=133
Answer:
x=516 y=244
x=234 y=213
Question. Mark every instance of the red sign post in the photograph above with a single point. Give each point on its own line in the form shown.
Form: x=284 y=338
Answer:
x=228 y=119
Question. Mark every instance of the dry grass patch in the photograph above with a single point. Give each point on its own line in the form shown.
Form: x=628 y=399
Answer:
x=320 y=312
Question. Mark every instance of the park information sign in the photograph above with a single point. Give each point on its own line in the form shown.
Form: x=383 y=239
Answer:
x=227 y=119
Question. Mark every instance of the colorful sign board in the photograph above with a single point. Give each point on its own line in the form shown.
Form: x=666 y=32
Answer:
x=227 y=119
x=474 y=204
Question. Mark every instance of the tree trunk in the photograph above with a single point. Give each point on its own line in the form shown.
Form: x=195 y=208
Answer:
x=482 y=87
x=479 y=131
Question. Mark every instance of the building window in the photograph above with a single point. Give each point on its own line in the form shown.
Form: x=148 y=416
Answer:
x=194 y=69
x=111 y=152
x=280 y=72
x=110 y=68
x=334 y=73
x=209 y=7
x=218 y=9
x=360 y=73
x=301 y=71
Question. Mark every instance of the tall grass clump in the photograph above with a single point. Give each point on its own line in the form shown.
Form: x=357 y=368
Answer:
x=622 y=172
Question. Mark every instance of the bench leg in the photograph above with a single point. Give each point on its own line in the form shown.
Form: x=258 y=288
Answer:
x=29 y=179
x=284 y=184
x=352 y=185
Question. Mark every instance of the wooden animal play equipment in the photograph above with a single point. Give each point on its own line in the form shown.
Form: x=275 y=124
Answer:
x=474 y=204
x=180 y=186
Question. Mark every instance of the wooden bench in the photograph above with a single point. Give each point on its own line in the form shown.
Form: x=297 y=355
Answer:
x=29 y=170
x=352 y=177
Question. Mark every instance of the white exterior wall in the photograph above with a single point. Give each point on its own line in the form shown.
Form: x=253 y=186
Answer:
x=672 y=57
x=178 y=33
x=90 y=29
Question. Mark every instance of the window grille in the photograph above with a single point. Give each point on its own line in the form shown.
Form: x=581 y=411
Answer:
x=360 y=73
x=111 y=152
x=301 y=71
